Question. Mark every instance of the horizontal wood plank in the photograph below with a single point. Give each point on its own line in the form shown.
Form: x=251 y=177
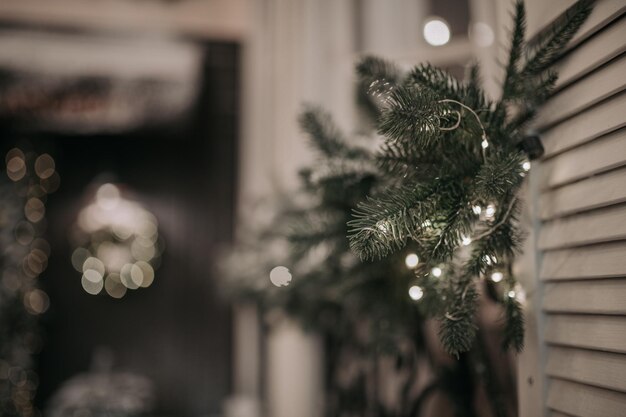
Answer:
x=588 y=262
x=595 y=192
x=602 y=154
x=605 y=333
x=596 y=121
x=595 y=51
x=592 y=297
x=585 y=401
x=541 y=13
x=558 y=414
x=600 y=369
x=597 y=86
x=598 y=226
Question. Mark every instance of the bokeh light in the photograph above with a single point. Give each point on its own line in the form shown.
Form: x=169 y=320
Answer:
x=44 y=166
x=481 y=34
x=24 y=257
x=36 y=301
x=280 y=276
x=34 y=210
x=436 y=31
x=118 y=241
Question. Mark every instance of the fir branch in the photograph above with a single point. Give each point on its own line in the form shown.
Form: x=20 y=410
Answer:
x=378 y=76
x=457 y=331
x=553 y=42
x=324 y=135
x=513 y=324
x=498 y=177
x=382 y=225
x=413 y=116
x=515 y=52
x=446 y=86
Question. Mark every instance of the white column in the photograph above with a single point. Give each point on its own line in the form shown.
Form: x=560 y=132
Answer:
x=299 y=51
x=295 y=372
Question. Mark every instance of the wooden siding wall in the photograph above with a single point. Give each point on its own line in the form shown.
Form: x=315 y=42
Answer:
x=582 y=237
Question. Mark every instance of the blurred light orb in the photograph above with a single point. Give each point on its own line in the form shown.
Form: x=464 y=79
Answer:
x=92 y=275
x=147 y=273
x=436 y=32
x=51 y=184
x=126 y=276
x=91 y=287
x=411 y=260
x=95 y=264
x=526 y=166
x=490 y=211
x=477 y=210
x=436 y=271
x=79 y=256
x=416 y=293
x=118 y=241
x=16 y=168
x=466 y=240
x=481 y=34
x=24 y=233
x=36 y=301
x=44 y=166
x=280 y=276
x=113 y=286
x=34 y=210
x=107 y=196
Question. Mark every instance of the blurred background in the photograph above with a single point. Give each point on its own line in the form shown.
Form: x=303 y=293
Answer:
x=161 y=124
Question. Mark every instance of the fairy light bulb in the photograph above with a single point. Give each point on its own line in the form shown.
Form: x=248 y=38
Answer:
x=411 y=260
x=416 y=293
x=466 y=240
x=497 y=276
x=382 y=226
x=526 y=166
x=490 y=211
x=477 y=210
x=484 y=144
x=436 y=271
x=511 y=294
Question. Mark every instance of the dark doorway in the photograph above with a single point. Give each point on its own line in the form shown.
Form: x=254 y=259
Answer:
x=177 y=331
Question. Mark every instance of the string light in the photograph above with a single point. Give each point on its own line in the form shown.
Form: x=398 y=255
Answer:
x=497 y=276
x=416 y=293
x=526 y=166
x=484 y=144
x=436 y=271
x=490 y=211
x=466 y=240
x=477 y=210
x=411 y=260
x=383 y=226
x=511 y=294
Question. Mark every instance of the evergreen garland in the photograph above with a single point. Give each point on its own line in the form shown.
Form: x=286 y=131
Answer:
x=453 y=155
x=444 y=184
